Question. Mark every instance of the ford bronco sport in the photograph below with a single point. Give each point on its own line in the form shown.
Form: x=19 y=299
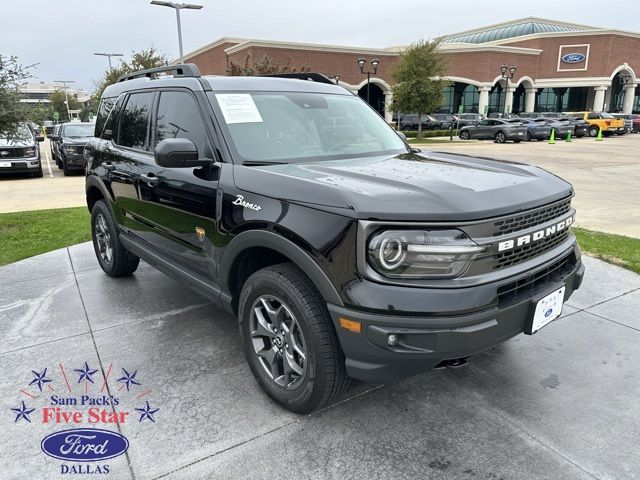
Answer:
x=343 y=252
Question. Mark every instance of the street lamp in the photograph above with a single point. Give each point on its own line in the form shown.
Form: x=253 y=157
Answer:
x=336 y=78
x=374 y=63
x=507 y=73
x=109 y=55
x=178 y=7
x=66 y=96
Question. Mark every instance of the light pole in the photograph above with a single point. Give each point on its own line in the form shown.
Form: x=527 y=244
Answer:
x=507 y=73
x=109 y=55
x=66 y=96
x=336 y=79
x=178 y=7
x=624 y=79
x=374 y=63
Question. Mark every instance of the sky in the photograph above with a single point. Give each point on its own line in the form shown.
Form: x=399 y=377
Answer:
x=62 y=35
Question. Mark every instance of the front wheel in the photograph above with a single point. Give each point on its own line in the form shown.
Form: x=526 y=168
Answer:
x=593 y=131
x=500 y=137
x=289 y=339
x=113 y=258
x=464 y=135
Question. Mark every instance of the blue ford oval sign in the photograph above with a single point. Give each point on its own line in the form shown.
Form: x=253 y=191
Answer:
x=84 y=445
x=573 y=58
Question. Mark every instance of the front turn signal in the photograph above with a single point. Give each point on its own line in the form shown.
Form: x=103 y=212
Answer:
x=350 y=325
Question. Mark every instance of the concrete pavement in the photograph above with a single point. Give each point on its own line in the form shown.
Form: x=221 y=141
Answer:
x=605 y=175
x=560 y=404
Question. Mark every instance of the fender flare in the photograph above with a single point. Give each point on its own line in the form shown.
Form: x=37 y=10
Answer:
x=94 y=181
x=273 y=241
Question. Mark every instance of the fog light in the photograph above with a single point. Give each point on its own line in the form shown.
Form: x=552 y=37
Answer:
x=392 y=340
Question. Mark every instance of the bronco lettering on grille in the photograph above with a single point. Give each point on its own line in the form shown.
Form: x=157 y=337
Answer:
x=535 y=236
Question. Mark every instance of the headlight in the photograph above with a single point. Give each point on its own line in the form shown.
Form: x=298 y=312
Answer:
x=422 y=253
x=71 y=149
x=30 y=152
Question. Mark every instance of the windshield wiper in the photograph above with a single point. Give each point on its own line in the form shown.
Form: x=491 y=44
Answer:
x=259 y=163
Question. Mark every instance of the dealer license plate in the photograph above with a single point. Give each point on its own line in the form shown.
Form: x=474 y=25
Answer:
x=548 y=309
x=5 y=164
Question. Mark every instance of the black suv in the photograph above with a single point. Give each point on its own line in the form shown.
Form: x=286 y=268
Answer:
x=342 y=251
x=69 y=140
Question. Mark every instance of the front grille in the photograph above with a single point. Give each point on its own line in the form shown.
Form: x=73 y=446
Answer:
x=527 y=287
x=6 y=153
x=530 y=250
x=531 y=218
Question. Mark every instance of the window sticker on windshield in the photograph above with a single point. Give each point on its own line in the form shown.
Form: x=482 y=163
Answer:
x=238 y=108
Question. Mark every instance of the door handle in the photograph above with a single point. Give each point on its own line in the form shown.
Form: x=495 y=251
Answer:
x=150 y=179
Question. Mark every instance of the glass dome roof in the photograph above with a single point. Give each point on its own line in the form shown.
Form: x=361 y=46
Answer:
x=510 y=31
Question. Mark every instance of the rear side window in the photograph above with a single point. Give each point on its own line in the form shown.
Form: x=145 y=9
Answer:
x=106 y=105
x=132 y=127
x=179 y=117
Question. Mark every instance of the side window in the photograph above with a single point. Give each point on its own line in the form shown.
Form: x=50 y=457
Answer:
x=132 y=127
x=593 y=116
x=106 y=104
x=178 y=116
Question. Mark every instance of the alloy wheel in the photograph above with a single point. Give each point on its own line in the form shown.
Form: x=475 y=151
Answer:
x=277 y=341
x=103 y=238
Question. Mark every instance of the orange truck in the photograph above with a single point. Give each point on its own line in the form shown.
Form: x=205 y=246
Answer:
x=601 y=121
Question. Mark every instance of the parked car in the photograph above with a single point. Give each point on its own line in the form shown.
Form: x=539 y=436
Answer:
x=530 y=114
x=53 y=145
x=561 y=129
x=497 y=129
x=20 y=151
x=70 y=140
x=469 y=119
x=342 y=252
x=48 y=125
x=600 y=121
x=503 y=115
x=580 y=127
x=628 y=121
x=535 y=130
x=410 y=122
x=446 y=120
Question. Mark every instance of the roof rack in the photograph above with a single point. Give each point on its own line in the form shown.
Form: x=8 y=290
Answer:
x=310 y=76
x=180 y=70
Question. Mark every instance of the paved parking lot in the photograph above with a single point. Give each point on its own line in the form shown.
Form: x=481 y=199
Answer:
x=562 y=404
x=605 y=175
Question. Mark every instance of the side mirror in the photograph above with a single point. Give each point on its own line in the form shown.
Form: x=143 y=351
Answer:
x=39 y=138
x=55 y=138
x=178 y=153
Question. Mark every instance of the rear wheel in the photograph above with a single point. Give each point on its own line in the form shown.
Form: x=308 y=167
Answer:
x=593 y=131
x=289 y=339
x=500 y=137
x=464 y=135
x=529 y=136
x=113 y=258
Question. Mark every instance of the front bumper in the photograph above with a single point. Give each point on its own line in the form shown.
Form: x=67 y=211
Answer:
x=426 y=341
x=74 y=160
x=520 y=135
x=20 y=165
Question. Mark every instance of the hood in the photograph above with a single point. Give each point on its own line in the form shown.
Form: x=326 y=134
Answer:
x=430 y=186
x=75 y=140
x=16 y=142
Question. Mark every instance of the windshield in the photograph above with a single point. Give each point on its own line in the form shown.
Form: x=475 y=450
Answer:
x=78 y=130
x=300 y=126
x=606 y=115
x=21 y=135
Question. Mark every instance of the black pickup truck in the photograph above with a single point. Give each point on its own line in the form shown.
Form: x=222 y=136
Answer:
x=343 y=252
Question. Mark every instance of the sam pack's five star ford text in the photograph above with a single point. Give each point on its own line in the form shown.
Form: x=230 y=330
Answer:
x=343 y=252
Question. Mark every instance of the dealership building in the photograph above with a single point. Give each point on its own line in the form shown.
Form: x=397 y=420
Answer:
x=559 y=66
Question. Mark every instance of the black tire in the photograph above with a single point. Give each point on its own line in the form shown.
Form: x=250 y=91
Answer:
x=66 y=171
x=593 y=131
x=121 y=262
x=324 y=377
x=464 y=135
x=38 y=173
x=529 y=136
x=517 y=140
x=500 y=137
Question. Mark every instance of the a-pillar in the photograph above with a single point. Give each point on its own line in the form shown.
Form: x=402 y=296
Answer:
x=483 y=102
x=388 y=114
x=598 y=99
x=530 y=99
x=629 y=95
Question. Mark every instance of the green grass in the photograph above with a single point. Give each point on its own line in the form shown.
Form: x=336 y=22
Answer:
x=24 y=234
x=616 y=249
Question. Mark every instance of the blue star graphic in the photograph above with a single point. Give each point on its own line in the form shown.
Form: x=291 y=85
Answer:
x=146 y=412
x=129 y=379
x=39 y=378
x=23 y=412
x=85 y=374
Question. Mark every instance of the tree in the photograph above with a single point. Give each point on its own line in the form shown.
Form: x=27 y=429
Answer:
x=142 y=60
x=12 y=110
x=416 y=84
x=57 y=104
x=264 y=66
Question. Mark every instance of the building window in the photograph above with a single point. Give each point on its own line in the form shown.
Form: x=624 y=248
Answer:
x=496 y=99
x=456 y=94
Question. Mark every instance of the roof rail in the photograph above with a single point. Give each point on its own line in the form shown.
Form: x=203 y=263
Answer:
x=310 y=76
x=180 y=70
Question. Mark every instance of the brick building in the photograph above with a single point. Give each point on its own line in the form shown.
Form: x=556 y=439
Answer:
x=560 y=66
